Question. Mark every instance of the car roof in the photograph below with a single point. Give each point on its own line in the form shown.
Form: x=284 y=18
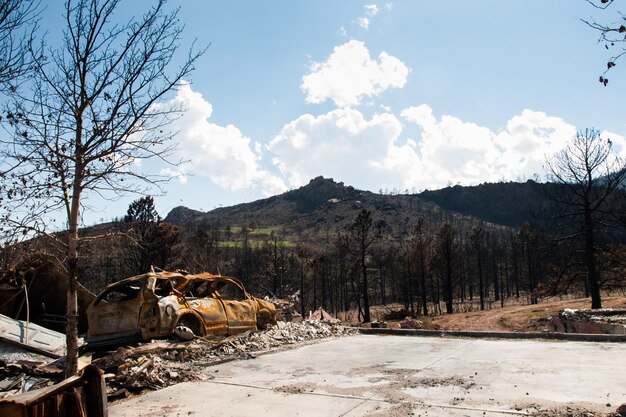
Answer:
x=183 y=278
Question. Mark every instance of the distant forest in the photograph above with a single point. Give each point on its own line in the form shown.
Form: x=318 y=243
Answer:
x=331 y=246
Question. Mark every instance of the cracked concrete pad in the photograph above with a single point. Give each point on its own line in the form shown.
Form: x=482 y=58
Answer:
x=398 y=376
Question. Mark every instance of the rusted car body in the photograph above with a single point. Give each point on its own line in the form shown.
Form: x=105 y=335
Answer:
x=154 y=304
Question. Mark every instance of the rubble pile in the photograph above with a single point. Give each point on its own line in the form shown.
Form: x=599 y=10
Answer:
x=411 y=323
x=599 y=321
x=158 y=364
x=22 y=371
x=286 y=308
x=569 y=411
x=20 y=376
x=291 y=332
x=279 y=335
x=150 y=372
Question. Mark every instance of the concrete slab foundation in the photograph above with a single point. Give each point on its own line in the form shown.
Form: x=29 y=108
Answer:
x=400 y=376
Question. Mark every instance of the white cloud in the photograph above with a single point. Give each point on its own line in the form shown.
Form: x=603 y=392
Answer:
x=456 y=151
x=178 y=174
x=349 y=75
x=371 y=10
x=340 y=144
x=221 y=153
x=374 y=154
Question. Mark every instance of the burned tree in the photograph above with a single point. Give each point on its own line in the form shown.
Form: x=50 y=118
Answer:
x=201 y=248
x=589 y=173
x=149 y=241
x=444 y=247
x=529 y=238
x=419 y=250
x=362 y=234
x=89 y=115
x=477 y=239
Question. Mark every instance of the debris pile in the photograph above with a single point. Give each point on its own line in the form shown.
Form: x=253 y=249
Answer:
x=411 y=323
x=161 y=363
x=375 y=324
x=21 y=371
x=321 y=314
x=151 y=371
x=287 y=333
x=19 y=377
x=536 y=410
x=599 y=321
x=286 y=308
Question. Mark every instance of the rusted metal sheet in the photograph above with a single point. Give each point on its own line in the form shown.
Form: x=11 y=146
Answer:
x=83 y=395
x=154 y=304
x=32 y=337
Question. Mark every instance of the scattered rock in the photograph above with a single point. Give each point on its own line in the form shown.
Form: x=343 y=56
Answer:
x=411 y=323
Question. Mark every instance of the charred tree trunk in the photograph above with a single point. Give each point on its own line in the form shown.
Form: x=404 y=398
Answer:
x=590 y=262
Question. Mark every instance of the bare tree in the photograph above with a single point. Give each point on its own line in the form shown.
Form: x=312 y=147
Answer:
x=17 y=24
x=419 y=250
x=477 y=239
x=612 y=35
x=363 y=232
x=149 y=241
x=445 y=248
x=201 y=249
x=91 y=113
x=589 y=173
x=530 y=239
x=274 y=260
x=303 y=259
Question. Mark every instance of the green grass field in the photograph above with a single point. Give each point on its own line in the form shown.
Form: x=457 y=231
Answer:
x=253 y=243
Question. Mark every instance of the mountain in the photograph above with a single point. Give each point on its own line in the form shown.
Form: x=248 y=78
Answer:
x=180 y=215
x=324 y=207
x=506 y=203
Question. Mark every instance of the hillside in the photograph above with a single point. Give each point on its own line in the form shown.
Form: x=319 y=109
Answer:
x=507 y=203
x=325 y=207
x=311 y=216
x=513 y=204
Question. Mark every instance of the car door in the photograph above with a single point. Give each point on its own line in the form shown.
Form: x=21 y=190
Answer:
x=240 y=308
x=199 y=297
x=116 y=311
x=213 y=314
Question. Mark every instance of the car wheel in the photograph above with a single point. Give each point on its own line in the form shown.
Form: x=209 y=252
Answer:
x=192 y=323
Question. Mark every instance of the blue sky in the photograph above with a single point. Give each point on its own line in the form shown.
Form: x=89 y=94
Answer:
x=401 y=94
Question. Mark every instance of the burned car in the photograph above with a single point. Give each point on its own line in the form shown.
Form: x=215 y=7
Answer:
x=154 y=304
